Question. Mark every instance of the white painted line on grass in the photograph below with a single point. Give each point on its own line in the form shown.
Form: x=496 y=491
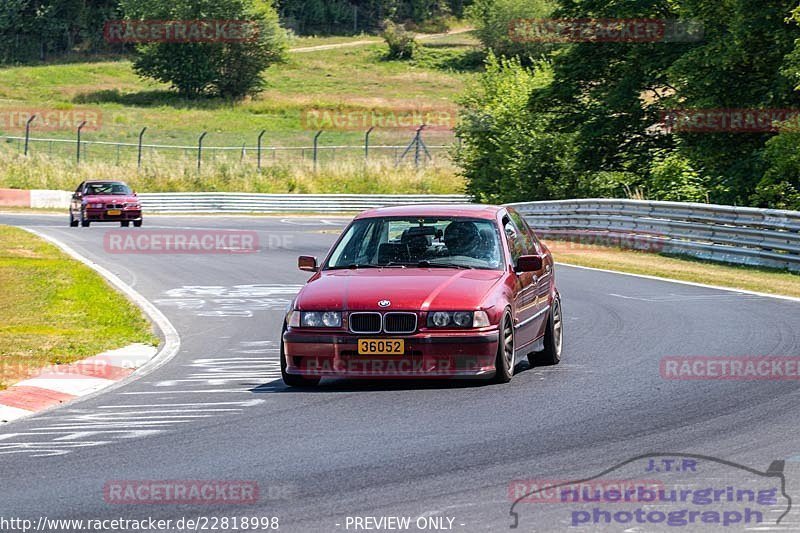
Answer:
x=172 y=340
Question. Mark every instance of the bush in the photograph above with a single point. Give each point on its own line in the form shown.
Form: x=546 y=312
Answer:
x=779 y=188
x=228 y=69
x=402 y=44
x=672 y=178
x=493 y=19
x=509 y=153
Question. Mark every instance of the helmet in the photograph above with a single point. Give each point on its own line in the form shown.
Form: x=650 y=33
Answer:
x=461 y=237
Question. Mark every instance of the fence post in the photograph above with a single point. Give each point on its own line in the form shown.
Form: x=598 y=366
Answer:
x=80 y=127
x=200 y=149
x=316 y=149
x=366 y=144
x=139 y=154
x=260 y=136
x=28 y=133
x=417 y=141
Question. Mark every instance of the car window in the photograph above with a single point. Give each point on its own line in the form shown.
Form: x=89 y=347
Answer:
x=526 y=232
x=117 y=189
x=414 y=242
x=516 y=239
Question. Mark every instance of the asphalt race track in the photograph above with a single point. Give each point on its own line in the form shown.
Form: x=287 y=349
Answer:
x=219 y=411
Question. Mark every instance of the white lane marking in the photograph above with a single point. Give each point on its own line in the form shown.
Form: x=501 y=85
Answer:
x=236 y=301
x=8 y=414
x=686 y=298
x=69 y=385
x=312 y=222
x=680 y=282
x=172 y=341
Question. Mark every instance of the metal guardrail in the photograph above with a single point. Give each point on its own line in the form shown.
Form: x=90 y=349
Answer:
x=742 y=235
x=283 y=203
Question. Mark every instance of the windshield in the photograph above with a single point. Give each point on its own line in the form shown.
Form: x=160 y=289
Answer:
x=114 y=189
x=419 y=242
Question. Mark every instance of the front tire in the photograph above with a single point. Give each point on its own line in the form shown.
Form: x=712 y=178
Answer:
x=72 y=222
x=553 y=339
x=84 y=223
x=137 y=223
x=125 y=223
x=292 y=380
x=504 y=364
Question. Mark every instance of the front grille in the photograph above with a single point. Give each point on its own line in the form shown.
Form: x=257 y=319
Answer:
x=400 y=322
x=115 y=206
x=365 y=322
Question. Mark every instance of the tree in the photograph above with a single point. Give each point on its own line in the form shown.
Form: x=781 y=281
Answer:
x=227 y=69
x=508 y=153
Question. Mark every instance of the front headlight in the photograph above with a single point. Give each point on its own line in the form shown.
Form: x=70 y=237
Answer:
x=321 y=319
x=458 y=319
x=95 y=206
x=131 y=204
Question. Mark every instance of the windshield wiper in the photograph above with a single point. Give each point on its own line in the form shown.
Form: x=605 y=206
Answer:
x=428 y=264
x=354 y=266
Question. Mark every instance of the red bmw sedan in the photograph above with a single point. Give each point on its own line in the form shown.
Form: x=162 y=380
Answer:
x=425 y=291
x=104 y=201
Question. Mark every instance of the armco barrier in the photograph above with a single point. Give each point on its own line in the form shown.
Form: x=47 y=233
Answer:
x=283 y=203
x=743 y=235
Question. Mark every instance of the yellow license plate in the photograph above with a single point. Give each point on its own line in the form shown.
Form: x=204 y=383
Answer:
x=114 y=212
x=381 y=347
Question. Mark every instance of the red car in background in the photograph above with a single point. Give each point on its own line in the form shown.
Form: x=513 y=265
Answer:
x=104 y=201
x=425 y=291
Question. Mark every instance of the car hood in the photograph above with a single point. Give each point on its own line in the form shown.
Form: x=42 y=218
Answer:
x=110 y=198
x=406 y=289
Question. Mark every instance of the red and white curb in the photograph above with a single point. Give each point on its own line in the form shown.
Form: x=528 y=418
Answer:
x=99 y=374
x=63 y=383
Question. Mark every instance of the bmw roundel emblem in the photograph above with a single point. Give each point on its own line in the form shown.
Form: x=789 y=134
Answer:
x=384 y=303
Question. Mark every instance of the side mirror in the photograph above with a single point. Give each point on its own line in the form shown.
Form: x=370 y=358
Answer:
x=307 y=263
x=77 y=196
x=529 y=263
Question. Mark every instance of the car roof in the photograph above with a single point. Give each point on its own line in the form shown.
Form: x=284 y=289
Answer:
x=488 y=212
x=88 y=182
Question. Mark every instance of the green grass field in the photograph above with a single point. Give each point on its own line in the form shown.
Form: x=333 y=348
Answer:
x=346 y=78
x=334 y=81
x=54 y=310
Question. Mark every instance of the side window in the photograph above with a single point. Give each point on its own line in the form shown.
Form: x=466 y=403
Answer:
x=516 y=239
x=527 y=234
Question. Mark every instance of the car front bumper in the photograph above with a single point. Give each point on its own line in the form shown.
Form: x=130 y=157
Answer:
x=427 y=355
x=101 y=215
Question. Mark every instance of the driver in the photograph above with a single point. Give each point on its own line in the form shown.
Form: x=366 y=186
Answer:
x=463 y=238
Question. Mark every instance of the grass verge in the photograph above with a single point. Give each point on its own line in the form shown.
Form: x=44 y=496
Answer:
x=180 y=175
x=54 y=310
x=685 y=269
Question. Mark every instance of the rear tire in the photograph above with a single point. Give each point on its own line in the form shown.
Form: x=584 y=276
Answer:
x=504 y=363
x=553 y=339
x=292 y=380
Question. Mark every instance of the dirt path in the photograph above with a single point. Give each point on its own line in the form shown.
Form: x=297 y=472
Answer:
x=363 y=42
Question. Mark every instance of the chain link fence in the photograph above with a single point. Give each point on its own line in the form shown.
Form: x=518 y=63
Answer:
x=416 y=152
